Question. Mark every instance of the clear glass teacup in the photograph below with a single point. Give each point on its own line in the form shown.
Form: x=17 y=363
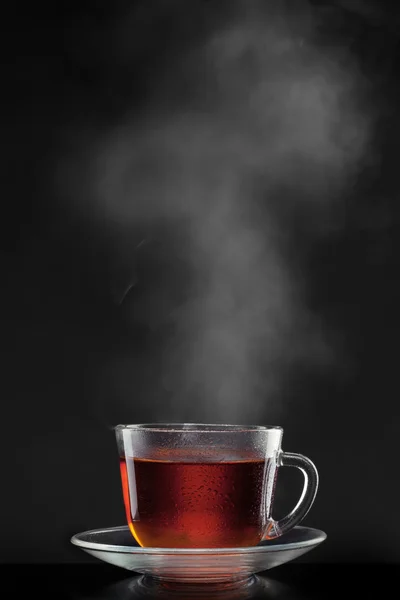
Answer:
x=191 y=485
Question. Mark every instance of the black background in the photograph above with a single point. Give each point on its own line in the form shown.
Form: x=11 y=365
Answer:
x=61 y=324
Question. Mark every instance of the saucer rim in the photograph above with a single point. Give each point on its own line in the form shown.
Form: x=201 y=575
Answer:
x=319 y=537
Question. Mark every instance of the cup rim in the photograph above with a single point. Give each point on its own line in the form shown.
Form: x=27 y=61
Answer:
x=197 y=427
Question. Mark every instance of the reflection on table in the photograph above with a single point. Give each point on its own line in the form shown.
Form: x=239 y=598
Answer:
x=141 y=587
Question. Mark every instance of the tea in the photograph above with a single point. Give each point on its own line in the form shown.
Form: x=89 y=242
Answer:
x=192 y=504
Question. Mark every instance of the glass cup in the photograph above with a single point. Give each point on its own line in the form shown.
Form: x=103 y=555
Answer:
x=206 y=486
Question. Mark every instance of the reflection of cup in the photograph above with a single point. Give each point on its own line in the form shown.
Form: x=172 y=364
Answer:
x=206 y=486
x=145 y=588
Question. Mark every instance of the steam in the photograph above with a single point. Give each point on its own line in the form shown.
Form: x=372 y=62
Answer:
x=270 y=126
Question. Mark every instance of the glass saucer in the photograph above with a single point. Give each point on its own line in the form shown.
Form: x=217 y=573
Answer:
x=115 y=545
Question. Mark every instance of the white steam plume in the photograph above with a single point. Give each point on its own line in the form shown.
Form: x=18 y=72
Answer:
x=272 y=116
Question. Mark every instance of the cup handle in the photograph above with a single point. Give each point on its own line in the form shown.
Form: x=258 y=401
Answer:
x=311 y=479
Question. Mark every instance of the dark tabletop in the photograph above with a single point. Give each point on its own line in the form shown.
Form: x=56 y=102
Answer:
x=288 y=582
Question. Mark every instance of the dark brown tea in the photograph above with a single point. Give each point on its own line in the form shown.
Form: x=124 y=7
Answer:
x=183 y=504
